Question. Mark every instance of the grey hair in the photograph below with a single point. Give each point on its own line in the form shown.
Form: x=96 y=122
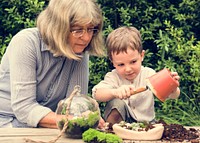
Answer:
x=55 y=21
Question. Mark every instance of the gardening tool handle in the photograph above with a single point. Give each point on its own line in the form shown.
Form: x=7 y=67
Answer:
x=141 y=89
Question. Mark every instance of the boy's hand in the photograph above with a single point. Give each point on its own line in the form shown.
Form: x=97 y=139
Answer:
x=175 y=94
x=123 y=92
x=101 y=124
x=175 y=76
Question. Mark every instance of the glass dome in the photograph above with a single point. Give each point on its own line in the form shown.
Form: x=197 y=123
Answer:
x=77 y=114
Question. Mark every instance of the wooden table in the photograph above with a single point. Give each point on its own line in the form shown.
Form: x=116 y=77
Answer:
x=18 y=135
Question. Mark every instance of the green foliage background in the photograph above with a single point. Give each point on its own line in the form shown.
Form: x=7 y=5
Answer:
x=171 y=38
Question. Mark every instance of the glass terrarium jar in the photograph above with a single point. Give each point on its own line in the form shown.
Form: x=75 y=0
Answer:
x=77 y=114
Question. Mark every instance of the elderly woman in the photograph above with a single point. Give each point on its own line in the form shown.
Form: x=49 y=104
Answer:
x=43 y=64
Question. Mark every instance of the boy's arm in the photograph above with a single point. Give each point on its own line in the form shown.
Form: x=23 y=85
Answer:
x=104 y=94
x=110 y=88
x=103 y=91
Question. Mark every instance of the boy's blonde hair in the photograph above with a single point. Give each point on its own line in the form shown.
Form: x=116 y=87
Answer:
x=122 y=38
x=55 y=22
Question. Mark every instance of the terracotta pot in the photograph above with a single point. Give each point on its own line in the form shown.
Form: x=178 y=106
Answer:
x=162 y=84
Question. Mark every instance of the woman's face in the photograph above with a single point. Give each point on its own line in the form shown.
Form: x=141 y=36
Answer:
x=80 y=37
x=128 y=64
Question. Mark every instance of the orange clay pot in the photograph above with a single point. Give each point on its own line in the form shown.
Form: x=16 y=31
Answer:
x=162 y=84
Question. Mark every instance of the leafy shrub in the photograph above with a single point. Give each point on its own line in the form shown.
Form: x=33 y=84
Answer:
x=16 y=15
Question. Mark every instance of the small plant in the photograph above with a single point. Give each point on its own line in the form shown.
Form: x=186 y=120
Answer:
x=78 y=125
x=95 y=136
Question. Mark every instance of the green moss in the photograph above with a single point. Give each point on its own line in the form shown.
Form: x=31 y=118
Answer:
x=92 y=135
x=91 y=120
x=78 y=125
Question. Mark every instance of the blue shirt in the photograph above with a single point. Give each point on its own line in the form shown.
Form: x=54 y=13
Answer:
x=33 y=81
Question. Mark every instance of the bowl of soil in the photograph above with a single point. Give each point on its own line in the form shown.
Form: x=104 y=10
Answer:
x=138 y=131
x=77 y=114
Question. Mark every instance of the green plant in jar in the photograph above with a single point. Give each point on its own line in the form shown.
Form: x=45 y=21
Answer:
x=77 y=114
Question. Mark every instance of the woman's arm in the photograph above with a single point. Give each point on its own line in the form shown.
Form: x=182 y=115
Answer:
x=22 y=55
x=49 y=121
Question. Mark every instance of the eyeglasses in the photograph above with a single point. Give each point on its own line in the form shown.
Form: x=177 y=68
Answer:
x=79 y=32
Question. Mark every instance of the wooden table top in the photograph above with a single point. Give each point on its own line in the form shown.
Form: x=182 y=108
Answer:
x=19 y=135
x=44 y=135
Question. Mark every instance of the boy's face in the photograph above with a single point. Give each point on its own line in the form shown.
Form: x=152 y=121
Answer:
x=128 y=64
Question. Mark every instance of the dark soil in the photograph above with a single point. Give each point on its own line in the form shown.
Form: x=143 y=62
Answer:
x=174 y=133
x=178 y=133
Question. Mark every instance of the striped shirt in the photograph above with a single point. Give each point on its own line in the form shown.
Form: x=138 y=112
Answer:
x=33 y=81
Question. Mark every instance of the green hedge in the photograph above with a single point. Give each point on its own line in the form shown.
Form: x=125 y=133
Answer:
x=16 y=15
x=170 y=32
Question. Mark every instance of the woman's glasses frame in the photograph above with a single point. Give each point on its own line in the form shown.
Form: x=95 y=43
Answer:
x=80 y=32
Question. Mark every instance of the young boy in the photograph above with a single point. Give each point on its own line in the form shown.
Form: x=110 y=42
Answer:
x=124 y=47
